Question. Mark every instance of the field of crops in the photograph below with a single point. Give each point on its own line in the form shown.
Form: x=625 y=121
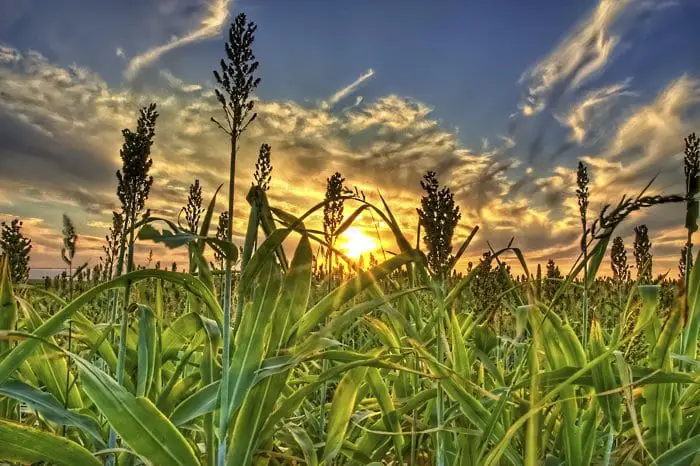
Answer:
x=251 y=355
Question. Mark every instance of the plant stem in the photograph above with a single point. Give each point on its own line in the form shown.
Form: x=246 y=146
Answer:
x=226 y=331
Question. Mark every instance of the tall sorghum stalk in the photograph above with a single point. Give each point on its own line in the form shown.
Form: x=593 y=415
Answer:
x=692 y=173
x=582 y=196
x=133 y=188
x=438 y=216
x=236 y=82
x=70 y=240
x=221 y=234
x=692 y=186
x=332 y=218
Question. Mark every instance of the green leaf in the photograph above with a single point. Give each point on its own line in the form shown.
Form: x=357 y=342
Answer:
x=681 y=454
x=343 y=406
x=386 y=404
x=305 y=443
x=170 y=239
x=206 y=221
x=136 y=419
x=263 y=397
x=146 y=350
x=27 y=445
x=250 y=343
x=199 y=403
x=50 y=408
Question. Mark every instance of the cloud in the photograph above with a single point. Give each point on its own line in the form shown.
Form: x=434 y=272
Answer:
x=210 y=26
x=589 y=118
x=650 y=140
x=566 y=101
x=9 y=54
x=178 y=83
x=347 y=90
x=120 y=53
x=68 y=120
x=582 y=55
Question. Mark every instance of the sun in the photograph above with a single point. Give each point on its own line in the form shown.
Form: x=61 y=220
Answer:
x=355 y=243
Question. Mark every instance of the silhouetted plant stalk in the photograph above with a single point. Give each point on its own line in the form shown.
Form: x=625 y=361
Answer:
x=682 y=263
x=15 y=247
x=133 y=187
x=236 y=82
x=193 y=212
x=262 y=178
x=263 y=168
x=692 y=186
x=332 y=217
x=221 y=234
x=582 y=182
x=619 y=266
x=70 y=241
x=111 y=246
x=193 y=208
x=438 y=216
x=134 y=181
x=642 y=254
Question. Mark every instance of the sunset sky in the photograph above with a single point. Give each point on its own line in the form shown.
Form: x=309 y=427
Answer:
x=500 y=97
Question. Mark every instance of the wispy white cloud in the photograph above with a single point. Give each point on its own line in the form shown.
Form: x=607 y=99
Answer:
x=210 y=26
x=589 y=117
x=177 y=83
x=347 y=90
x=9 y=54
x=582 y=55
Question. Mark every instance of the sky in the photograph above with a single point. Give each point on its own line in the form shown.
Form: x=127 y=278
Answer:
x=500 y=98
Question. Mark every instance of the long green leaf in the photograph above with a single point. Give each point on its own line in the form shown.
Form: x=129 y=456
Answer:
x=136 y=419
x=50 y=408
x=28 y=445
x=342 y=408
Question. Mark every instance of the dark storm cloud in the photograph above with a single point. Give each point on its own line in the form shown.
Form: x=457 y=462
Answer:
x=31 y=154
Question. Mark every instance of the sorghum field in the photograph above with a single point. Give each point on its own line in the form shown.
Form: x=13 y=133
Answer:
x=252 y=355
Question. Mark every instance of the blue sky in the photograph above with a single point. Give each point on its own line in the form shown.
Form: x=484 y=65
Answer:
x=503 y=97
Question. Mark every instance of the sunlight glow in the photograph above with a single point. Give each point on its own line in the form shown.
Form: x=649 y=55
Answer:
x=355 y=243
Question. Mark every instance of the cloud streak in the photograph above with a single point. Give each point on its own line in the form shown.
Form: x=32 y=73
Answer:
x=210 y=26
x=582 y=55
x=347 y=90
